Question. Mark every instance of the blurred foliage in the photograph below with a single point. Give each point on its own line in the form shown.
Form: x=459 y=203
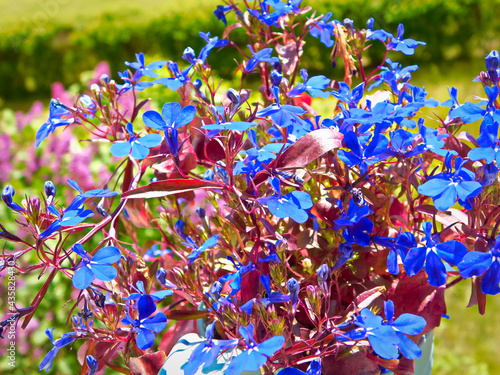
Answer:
x=51 y=43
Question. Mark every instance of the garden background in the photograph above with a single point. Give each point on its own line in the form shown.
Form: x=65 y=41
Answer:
x=47 y=41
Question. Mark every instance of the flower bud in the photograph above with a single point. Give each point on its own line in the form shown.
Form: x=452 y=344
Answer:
x=50 y=191
x=349 y=25
x=92 y=365
x=189 y=55
x=276 y=78
x=492 y=60
x=369 y=23
x=201 y=212
x=208 y=175
x=323 y=272
x=234 y=96
x=215 y=290
x=179 y=229
x=104 y=79
x=8 y=193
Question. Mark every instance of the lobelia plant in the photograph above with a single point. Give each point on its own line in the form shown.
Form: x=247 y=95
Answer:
x=307 y=243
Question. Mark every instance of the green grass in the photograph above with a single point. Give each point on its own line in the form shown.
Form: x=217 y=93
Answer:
x=17 y=15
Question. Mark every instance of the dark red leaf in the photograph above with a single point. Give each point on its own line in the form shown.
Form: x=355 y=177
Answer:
x=168 y=187
x=148 y=363
x=414 y=295
x=308 y=148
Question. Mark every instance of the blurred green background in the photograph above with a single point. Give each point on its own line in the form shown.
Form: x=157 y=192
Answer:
x=47 y=41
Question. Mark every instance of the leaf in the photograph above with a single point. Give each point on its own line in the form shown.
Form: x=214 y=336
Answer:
x=308 y=148
x=365 y=299
x=148 y=363
x=169 y=187
x=186 y=314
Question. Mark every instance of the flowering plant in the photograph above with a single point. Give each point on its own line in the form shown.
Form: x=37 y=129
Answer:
x=303 y=242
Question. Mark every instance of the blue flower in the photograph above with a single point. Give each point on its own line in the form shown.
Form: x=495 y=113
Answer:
x=211 y=44
x=220 y=12
x=324 y=30
x=133 y=82
x=155 y=252
x=161 y=276
x=146 y=70
x=237 y=276
x=492 y=60
x=472 y=112
x=96 y=193
x=314 y=86
x=283 y=115
x=8 y=193
x=313 y=369
x=256 y=355
x=137 y=147
x=345 y=253
x=394 y=75
x=142 y=295
x=65 y=339
x=179 y=79
x=98 y=267
x=73 y=215
x=172 y=118
x=146 y=326
x=208 y=244
x=407 y=46
x=476 y=263
x=92 y=364
x=388 y=338
x=363 y=156
x=263 y=55
x=59 y=115
x=346 y=96
x=399 y=245
x=446 y=187
x=205 y=353
x=356 y=224
x=292 y=205
x=293 y=287
x=433 y=255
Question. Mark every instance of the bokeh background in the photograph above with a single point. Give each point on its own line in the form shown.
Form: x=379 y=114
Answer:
x=56 y=48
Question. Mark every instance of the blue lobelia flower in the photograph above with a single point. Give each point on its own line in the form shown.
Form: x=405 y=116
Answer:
x=284 y=115
x=313 y=369
x=197 y=250
x=172 y=117
x=161 y=276
x=363 y=156
x=476 y=263
x=147 y=70
x=351 y=98
x=446 y=187
x=292 y=205
x=65 y=339
x=59 y=115
x=472 y=112
x=145 y=325
x=147 y=298
x=356 y=224
x=433 y=255
x=98 y=267
x=389 y=337
x=324 y=29
x=492 y=61
x=293 y=287
x=220 y=12
x=155 y=252
x=92 y=364
x=345 y=253
x=205 y=353
x=237 y=276
x=133 y=82
x=73 y=215
x=264 y=55
x=179 y=79
x=138 y=148
x=395 y=75
x=96 y=193
x=8 y=193
x=256 y=355
x=407 y=46
x=314 y=86
x=214 y=129
x=212 y=43
x=399 y=245
x=272 y=297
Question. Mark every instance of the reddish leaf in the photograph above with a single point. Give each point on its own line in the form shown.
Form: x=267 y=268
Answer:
x=365 y=299
x=175 y=332
x=308 y=148
x=326 y=211
x=186 y=314
x=137 y=213
x=148 y=363
x=414 y=295
x=169 y=187
x=353 y=364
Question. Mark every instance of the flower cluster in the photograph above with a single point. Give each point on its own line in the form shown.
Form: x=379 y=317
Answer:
x=285 y=232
